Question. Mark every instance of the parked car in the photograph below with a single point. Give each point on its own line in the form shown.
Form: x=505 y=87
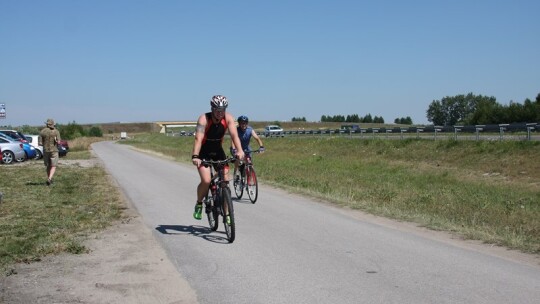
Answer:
x=62 y=151
x=29 y=150
x=16 y=135
x=33 y=140
x=11 y=150
x=273 y=130
x=65 y=144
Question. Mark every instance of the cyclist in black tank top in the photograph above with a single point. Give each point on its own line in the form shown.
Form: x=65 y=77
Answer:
x=211 y=147
x=208 y=143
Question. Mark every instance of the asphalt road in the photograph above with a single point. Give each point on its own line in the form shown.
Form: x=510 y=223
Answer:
x=291 y=249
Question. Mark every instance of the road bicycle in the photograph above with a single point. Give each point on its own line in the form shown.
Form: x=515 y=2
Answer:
x=246 y=178
x=218 y=200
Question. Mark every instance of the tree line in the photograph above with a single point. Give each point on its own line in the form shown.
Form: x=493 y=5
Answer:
x=70 y=131
x=352 y=118
x=474 y=109
x=462 y=109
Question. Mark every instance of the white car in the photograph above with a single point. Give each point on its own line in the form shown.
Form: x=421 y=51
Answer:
x=12 y=150
x=273 y=130
x=33 y=140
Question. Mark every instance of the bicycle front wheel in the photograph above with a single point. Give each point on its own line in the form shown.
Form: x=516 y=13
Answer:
x=229 y=225
x=252 y=185
x=238 y=185
x=211 y=212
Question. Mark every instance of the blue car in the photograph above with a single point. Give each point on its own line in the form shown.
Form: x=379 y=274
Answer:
x=29 y=150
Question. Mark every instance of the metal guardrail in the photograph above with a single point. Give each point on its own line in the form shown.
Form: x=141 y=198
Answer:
x=520 y=131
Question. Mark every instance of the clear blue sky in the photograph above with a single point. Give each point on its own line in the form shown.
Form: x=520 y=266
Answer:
x=136 y=61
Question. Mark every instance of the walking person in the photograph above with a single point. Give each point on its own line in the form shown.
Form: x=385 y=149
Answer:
x=209 y=133
x=49 y=138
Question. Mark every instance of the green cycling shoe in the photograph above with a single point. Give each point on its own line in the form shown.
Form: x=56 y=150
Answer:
x=197 y=214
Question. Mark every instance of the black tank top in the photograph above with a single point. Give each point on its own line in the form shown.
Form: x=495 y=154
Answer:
x=213 y=138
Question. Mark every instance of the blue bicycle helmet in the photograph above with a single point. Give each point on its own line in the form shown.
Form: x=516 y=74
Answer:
x=243 y=118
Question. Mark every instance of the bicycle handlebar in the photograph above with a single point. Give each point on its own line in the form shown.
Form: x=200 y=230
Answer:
x=208 y=162
x=252 y=151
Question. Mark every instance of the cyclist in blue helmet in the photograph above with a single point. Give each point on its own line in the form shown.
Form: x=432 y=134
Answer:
x=245 y=132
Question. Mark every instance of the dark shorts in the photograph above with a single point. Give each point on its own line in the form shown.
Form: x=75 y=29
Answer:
x=50 y=159
x=213 y=154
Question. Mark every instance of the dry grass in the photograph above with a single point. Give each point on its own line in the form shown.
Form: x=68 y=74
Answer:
x=83 y=143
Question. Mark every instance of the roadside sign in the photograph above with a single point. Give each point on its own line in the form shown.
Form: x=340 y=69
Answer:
x=2 y=110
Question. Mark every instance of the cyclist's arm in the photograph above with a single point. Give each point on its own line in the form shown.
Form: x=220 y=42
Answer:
x=199 y=136
x=234 y=135
x=257 y=138
x=232 y=148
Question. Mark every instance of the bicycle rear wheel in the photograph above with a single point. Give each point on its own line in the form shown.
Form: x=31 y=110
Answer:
x=252 y=185
x=227 y=201
x=211 y=212
x=238 y=185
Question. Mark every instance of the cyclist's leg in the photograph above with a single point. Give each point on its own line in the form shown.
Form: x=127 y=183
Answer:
x=202 y=190
x=236 y=166
x=226 y=180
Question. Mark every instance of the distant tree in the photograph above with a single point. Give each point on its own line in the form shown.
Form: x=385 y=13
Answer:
x=537 y=104
x=451 y=110
x=95 y=132
x=352 y=118
x=367 y=119
x=407 y=121
x=403 y=120
x=530 y=111
x=335 y=118
x=378 y=119
x=474 y=110
x=26 y=129
x=71 y=130
x=298 y=119
x=435 y=113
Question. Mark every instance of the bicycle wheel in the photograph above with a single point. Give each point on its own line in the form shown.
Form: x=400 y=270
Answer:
x=211 y=212
x=252 y=185
x=227 y=201
x=238 y=185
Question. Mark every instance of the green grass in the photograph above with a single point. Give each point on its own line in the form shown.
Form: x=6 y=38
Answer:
x=483 y=190
x=36 y=220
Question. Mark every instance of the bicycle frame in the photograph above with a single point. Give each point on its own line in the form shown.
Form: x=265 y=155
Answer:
x=218 y=200
x=245 y=178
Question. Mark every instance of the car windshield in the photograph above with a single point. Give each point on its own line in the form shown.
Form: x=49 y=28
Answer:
x=12 y=135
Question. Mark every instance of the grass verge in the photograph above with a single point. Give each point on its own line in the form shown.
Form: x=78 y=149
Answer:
x=36 y=220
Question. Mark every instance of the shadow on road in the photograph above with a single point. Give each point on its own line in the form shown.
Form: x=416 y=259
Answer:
x=244 y=201
x=198 y=231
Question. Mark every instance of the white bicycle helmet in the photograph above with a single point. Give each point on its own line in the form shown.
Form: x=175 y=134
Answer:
x=219 y=102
